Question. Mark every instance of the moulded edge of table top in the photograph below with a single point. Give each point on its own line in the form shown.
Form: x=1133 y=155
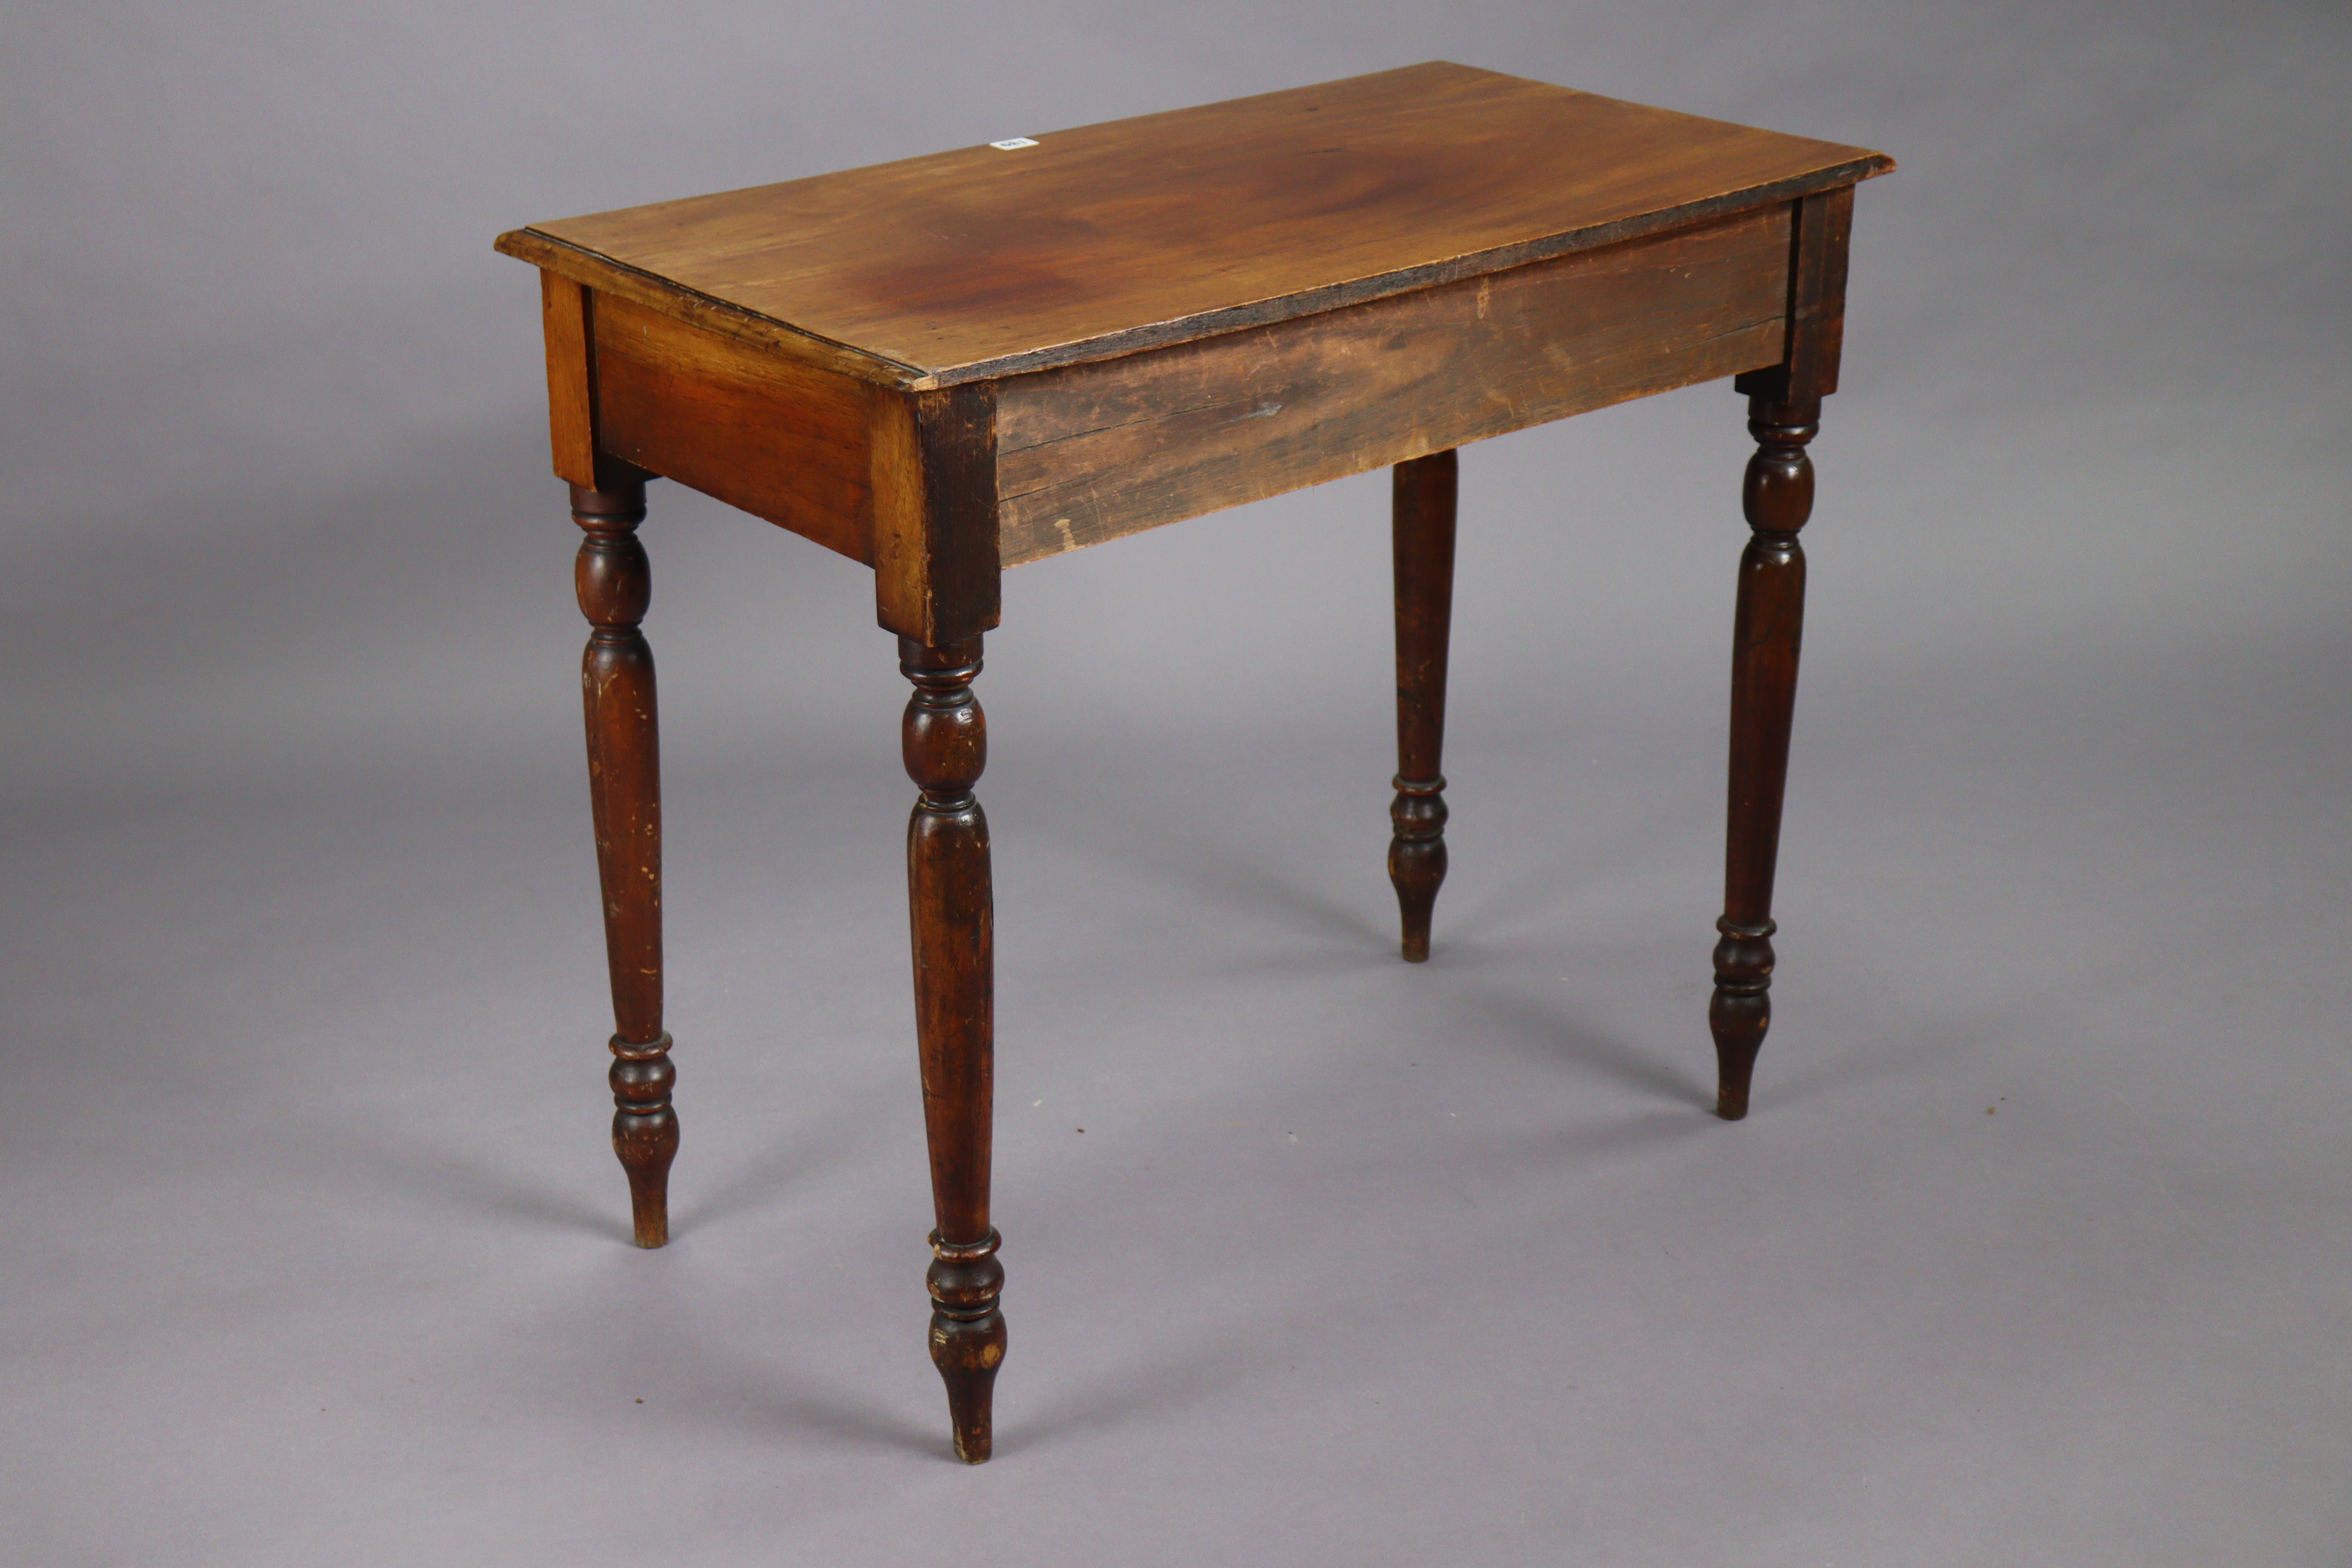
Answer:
x=1837 y=165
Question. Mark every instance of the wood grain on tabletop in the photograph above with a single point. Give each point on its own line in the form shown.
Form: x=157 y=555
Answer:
x=979 y=263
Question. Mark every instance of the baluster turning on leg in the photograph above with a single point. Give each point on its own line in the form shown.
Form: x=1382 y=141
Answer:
x=616 y=685
x=1421 y=494
x=1778 y=497
x=946 y=745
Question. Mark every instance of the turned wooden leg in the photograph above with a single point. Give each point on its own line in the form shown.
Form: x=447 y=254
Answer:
x=616 y=685
x=1778 y=497
x=946 y=744
x=1423 y=511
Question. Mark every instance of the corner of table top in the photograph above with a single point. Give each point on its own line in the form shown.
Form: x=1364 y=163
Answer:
x=672 y=298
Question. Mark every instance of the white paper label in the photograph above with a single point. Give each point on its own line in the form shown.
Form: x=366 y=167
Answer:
x=1010 y=143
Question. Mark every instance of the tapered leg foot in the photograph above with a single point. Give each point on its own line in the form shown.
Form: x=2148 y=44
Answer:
x=1739 y=1012
x=1417 y=858
x=1422 y=496
x=645 y=1132
x=968 y=1339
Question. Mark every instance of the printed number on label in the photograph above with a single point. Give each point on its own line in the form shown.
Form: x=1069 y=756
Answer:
x=1010 y=143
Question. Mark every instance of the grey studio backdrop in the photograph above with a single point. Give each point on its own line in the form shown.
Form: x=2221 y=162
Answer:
x=2035 y=1249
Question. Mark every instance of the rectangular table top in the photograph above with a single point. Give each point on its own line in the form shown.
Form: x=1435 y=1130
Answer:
x=1096 y=242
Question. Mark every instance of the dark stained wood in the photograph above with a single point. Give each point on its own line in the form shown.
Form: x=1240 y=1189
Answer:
x=568 y=313
x=1422 y=526
x=571 y=378
x=945 y=741
x=1778 y=497
x=780 y=438
x=1808 y=367
x=936 y=577
x=1096 y=451
x=947 y=365
x=1784 y=412
x=1099 y=241
x=616 y=686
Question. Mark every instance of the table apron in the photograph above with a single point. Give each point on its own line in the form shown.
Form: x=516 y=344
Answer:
x=1092 y=452
x=782 y=439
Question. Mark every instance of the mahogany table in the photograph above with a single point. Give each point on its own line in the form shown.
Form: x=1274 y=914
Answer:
x=954 y=365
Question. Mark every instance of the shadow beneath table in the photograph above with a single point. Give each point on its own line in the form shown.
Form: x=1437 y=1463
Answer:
x=1260 y=889
x=1528 y=892
x=457 y=1180
x=1509 y=1159
x=1211 y=869
x=1553 y=1033
x=1545 y=883
x=811 y=1147
x=774 y=1400
x=1852 y=1069
x=1152 y=1389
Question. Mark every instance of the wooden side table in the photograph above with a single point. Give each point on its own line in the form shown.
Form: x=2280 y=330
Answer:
x=951 y=365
